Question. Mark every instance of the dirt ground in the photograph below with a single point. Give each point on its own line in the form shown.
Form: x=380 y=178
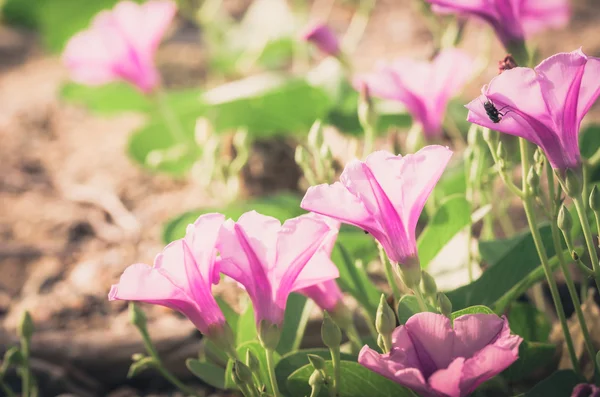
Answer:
x=75 y=210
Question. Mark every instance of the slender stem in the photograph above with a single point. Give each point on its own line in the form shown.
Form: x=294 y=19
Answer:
x=172 y=122
x=539 y=245
x=389 y=273
x=420 y=299
x=357 y=26
x=271 y=369
x=369 y=140
x=161 y=368
x=502 y=172
x=589 y=239
x=26 y=371
x=563 y=265
x=337 y=369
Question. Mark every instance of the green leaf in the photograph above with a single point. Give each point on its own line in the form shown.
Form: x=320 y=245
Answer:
x=297 y=312
x=528 y=322
x=267 y=105
x=477 y=309
x=559 y=384
x=452 y=216
x=231 y=316
x=458 y=113
x=259 y=352
x=533 y=357
x=294 y=360
x=281 y=206
x=453 y=181
x=246 y=326
x=207 y=372
x=355 y=381
x=408 y=306
x=510 y=261
x=108 y=98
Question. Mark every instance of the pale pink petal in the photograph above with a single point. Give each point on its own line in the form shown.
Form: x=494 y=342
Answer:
x=321 y=36
x=452 y=69
x=201 y=237
x=447 y=381
x=474 y=332
x=590 y=87
x=326 y=295
x=486 y=364
x=537 y=15
x=433 y=338
x=319 y=269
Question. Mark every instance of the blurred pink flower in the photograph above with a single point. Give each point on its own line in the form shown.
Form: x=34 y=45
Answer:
x=384 y=195
x=120 y=45
x=434 y=359
x=423 y=87
x=272 y=260
x=321 y=36
x=544 y=105
x=586 y=390
x=512 y=20
x=181 y=278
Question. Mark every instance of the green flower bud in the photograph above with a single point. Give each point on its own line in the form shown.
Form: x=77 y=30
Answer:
x=428 y=282
x=26 y=327
x=315 y=135
x=366 y=112
x=564 y=220
x=222 y=336
x=316 y=382
x=444 y=304
x=137 y=356
x=317 y=362
x=243 y=372
x=385 y=320
x=235 y=376
x=595 y=199
x=533 y=181
x=269 y=334
x=472 y=135
x=330 y=332
x=411 y=272
x=12 y=357
x=139 y=366
x=301 y=157
x=538 y=156
x=573 y=185
x=490 y=136
x=137 y=316
x=252 y=361
x=381 y=343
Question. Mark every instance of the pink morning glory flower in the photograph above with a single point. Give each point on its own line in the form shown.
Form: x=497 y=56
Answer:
x=423 y=87
x=181 y=277
x=544 y=105
x=120 y=45
x=586 y=390
x=384 y=195
x=272 y=260
x=321 y=36
x=433 y=358
x=513 y=20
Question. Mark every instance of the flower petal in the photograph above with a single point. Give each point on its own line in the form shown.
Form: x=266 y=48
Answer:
x=433 y=338
x=201 y=237
x=447 y=381
x=474 y=332
x=486 y=364
x=327 y=295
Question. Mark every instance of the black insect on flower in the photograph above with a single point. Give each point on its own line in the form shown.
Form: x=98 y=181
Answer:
x=493 y=113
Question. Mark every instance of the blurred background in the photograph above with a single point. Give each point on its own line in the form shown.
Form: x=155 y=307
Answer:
x=87 y=184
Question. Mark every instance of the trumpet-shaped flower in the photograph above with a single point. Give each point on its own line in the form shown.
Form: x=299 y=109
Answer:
x=272 y=260
x=544 y=105
x=423 y=87
x=181 y=277
x=384 y=195
x=321 y=36
x=120 y=45
x=512 y=20
x=433 y=358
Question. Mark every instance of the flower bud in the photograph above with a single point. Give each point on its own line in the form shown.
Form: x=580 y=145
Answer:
x=429 y=285
x=381 y=343
x=411 y=272
x=444 y=304
x=269 y=334
x=139 y=366
x=573 y=185
x=533 y=181
x=317 y=362
x=26 y=327
x=137 y=316
x=301 y=156
x=236 y=377
x=564 y=220
x=243 y=372
x=252 y=361
x=315 y=135
x=330 y=332
x=323 y=38
x=222 y=336
x=490 y=136
x=366 y=112
x=501 y=151
x=385 y=320
x=595 y=199
x=316 y=382
x=12 y=357
x=538 y=155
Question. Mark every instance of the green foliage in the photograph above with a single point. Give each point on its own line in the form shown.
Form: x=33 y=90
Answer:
x=452 y=216
x=509 y=260
x=355 y=381
x=477 y=309
x=295 y=360
x=246 y=326
x=453 y=181
x=294 y=323
x=408 y=306
x=109 y=98
x=209 y=373
x=559 y=384
x=528 y=322
x=259 y=352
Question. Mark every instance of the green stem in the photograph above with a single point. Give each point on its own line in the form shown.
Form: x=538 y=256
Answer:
x=589 y=240
x=161 y=368
x=539 y=245
x=7 y=390
x=26 y=371
x=337 y=370
x=271 y=369
x=358 y=25
x=389 y=273
x=172 y=122
x=420 y=299
x=563 y=265
x=369 y=140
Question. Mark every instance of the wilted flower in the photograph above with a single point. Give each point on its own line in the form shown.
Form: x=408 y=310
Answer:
x=544 y=105
x=512 y=20
x=321 y=36
x=433 y=358
x=120 y=45
x=384 y=195
x=181 y=278
x=272 y=260
x=423 y=87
